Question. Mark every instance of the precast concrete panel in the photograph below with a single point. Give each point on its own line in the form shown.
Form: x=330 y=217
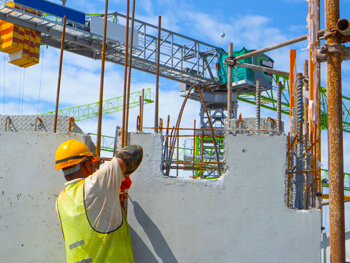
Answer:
x=29 y=186
x=240 y=217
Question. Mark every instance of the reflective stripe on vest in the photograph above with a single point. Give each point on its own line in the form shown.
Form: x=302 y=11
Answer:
x=83 y=243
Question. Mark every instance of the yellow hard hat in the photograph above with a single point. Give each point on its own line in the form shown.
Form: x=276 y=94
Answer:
x=72 y=152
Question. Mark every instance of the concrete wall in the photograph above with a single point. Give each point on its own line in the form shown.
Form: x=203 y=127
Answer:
x=29 y=186
x=325 y=247
x=240 y=217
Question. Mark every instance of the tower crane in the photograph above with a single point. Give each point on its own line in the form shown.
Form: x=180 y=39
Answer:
x=183 y=59
x=88 y=111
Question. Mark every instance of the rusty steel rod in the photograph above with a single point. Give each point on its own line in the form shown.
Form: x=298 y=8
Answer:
x=129 y=73
x=306 y=131
x=279 y=106
x=233 y=62
x=100 y=104
x=59 y=75
x=202 y=154
x=306 y=100
x=229 y=83
x=156 y=110
x=142 y=109
x=194 y=145
x=175 y=132
x=279 y=45
x=177 y=157
x=335 y=137
x=197 y=162
x=166 y=143
x=212 y=131
x=190 y=167
x=257 y=104
x=124 y=135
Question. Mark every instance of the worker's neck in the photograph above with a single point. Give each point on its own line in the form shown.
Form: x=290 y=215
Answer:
x=76 y=175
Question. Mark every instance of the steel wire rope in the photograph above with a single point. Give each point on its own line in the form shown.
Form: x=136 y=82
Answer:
x=19 y=90
x=41 y=77
x=23 y=85
x=4 y=84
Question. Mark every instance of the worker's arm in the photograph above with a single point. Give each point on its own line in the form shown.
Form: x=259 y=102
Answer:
x=102 y=190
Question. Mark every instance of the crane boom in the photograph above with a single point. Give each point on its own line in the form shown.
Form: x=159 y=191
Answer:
x=183 y=59
x=88 y=111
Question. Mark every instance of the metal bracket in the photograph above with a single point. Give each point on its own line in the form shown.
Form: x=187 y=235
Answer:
x=230 y=61
x=336 y=48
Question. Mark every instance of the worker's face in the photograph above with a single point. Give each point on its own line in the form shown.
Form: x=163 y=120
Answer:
x=93 y=166
x=90 y=167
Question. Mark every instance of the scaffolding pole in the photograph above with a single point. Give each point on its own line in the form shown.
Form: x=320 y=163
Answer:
x=335 y=136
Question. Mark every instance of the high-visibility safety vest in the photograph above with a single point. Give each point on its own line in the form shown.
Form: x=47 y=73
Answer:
x=83 y=243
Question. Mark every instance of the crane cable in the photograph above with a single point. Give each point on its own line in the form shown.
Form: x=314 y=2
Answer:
x=41 y=77
x=4 y=86
x=19 y=90
x=23 y=84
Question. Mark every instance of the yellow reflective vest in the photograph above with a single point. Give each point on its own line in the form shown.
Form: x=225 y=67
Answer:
x=83 y=243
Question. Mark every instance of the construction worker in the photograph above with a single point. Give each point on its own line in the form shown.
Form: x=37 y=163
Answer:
x=94 y=225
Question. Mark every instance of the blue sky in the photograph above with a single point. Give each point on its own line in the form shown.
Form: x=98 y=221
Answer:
x=252 y=24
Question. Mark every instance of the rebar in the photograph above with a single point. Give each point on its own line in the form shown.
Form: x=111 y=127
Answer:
x=335 y=138
x=229 y=83
x=156 y=103
x=129 y=73
x=124 y=135
x=175 y=131
x=279 y=104
x=257 y=104
x=100 y=105
x=300 y=158
x=59 y=74
x=142 y=109
x=299 y=102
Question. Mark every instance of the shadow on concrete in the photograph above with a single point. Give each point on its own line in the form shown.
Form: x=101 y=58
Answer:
x=159 y=244
x=145 y=254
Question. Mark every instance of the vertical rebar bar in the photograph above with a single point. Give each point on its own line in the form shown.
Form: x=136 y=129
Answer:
x=100 y=105
x=129 y=73
x=300 y=158
x=141 y=109
x=59 y=74
x=257 y=104
x=292 y=75
x=306 y=100
x=299 y=105
x=229 y=83
x=115 y=141
x=156 y=111
x=288 y=168
x=279 y=104
x=307 y=136
x=124 y=139
x=177 y=154
x=335 y=137
x=202 y=153
x=194 y=147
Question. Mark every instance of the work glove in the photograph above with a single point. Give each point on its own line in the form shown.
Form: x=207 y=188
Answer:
x=126 y=184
